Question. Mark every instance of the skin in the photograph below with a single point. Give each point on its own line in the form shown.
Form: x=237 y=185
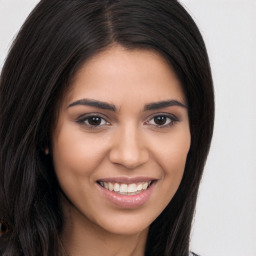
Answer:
x=128 y=142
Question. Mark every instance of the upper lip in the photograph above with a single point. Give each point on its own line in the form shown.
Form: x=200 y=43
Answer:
x=127 y=180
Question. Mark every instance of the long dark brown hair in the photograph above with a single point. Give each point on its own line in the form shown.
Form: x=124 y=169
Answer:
x=56 y=39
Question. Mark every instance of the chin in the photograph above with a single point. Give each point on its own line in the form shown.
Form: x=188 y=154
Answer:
x=125 y=223
x=126 y=229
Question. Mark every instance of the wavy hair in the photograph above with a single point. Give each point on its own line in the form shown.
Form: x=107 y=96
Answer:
x=55 y=40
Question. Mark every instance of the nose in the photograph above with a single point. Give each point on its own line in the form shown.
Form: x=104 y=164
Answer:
x=128 y=148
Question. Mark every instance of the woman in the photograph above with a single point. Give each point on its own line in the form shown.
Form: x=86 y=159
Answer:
x=106 y=112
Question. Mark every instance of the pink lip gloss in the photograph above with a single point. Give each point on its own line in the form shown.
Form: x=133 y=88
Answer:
x=127 y=201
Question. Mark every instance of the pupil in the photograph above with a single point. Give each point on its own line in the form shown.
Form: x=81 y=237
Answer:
x=94 y=120
x=160 y=120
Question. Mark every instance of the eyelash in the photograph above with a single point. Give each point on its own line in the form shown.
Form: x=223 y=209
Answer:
x=172 y=120
x=84 y=120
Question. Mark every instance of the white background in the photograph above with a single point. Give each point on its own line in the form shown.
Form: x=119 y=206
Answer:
x=225 y=221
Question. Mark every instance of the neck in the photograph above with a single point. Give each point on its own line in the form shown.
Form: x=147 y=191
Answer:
x=80 y=237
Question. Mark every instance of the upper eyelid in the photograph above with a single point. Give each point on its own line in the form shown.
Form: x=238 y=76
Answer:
x=84 y=116
x=172 y=116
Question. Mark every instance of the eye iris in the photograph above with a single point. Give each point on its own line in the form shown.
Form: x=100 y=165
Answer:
x=160 y=120
x=94 y=120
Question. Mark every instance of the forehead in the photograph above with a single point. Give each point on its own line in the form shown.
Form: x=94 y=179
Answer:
x=118 y=73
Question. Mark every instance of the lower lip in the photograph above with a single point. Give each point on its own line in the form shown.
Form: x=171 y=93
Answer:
x=128 y=201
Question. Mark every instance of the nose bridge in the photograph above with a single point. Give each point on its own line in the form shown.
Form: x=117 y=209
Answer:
x=129 y=148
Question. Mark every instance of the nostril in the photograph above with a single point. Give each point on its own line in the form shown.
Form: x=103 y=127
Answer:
x=128 y=148
x=129 y=157
x=129 y=161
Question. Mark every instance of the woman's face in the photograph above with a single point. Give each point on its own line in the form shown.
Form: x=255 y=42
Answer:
x=121 y=140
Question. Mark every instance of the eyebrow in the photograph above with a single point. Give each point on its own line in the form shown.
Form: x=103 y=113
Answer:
x=94 y=103
x=107 y=106
x=164 y=104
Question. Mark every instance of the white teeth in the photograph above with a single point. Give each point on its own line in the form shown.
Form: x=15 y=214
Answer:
x=139 y=187
x=123 y=188
x=145 y=185
x=126 y=189
x=106 y=185
x=116 y=187
x=132 y=188
x=110 y=186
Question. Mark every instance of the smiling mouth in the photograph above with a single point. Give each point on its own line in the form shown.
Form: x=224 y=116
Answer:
x=126 y=189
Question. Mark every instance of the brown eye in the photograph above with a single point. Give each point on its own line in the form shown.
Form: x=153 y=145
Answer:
x=95 y=120
x=92 y=121
x=160 y=120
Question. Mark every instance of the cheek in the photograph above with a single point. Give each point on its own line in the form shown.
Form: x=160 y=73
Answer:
x=76 y=160
x=77 y=154
x=171 y=155
x=172 y=150
x=174 y=158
